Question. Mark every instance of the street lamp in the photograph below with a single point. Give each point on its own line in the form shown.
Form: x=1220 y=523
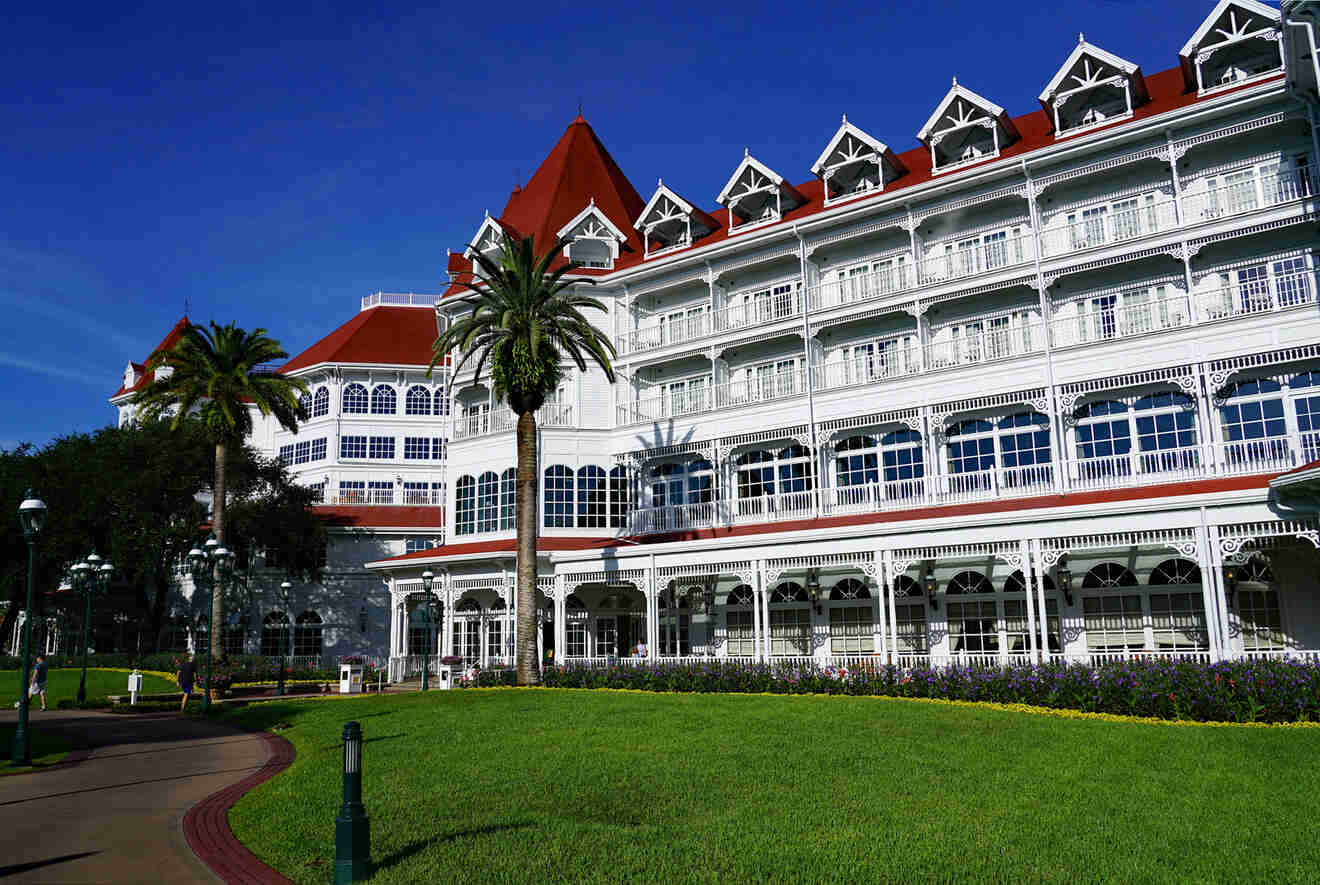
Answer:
x=428 y=578
x=32 y=513
x=285 y=587
x=91 y=577
x=203 y=563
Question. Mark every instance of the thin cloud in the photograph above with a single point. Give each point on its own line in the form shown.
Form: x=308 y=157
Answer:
x=18 y=362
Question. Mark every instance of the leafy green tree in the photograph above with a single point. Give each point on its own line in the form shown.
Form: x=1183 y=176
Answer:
x=221 y=376
x=525 y=320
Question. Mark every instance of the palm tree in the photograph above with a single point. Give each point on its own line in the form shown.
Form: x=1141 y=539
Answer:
x=216 y=374
x=525 y=318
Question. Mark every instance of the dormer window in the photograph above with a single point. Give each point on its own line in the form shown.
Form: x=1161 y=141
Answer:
x=131 y=375
x=1238 y=42
x=855 y=163
x=670 y=222
x=757 y=195
x=591 y=239
x=1093 y=87
x=964 y=129
x=488 y=241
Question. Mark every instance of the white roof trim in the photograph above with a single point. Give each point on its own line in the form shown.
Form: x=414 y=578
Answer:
x=1270 y=14
x=661 y=191
x=1296 y=477
x=845 y=129
x=486 y=223
x=1083 y=48
x=955 y=92
x=591 y=209
x=748 y=161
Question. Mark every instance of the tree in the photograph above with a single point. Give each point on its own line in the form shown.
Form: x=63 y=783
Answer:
x=219 y=375
x=525 y=318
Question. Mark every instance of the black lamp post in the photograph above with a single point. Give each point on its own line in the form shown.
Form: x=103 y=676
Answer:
x=91 y=577
x=428 y=578
x=202 y=562
x=930 y=587
x=352 y=827
x=285 y=587
x=32 y=513
x=1065 y=579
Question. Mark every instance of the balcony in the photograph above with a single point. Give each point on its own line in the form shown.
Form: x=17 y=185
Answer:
x=985 y=345
x=667 y=332
x=1258 y=291
x=860 y=288
x=891 y=361
x=1246 y=191
x=1101 y=227
x=670 y=402
x=782 y=302
x=504 y=421
x=1109 y=323
x=969 y=256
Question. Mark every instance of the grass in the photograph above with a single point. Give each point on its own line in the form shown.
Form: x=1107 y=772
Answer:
x=46 y=749
x=62 y=685
x=575 y=786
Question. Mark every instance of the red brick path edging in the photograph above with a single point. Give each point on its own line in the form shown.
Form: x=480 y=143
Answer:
x=206 y=825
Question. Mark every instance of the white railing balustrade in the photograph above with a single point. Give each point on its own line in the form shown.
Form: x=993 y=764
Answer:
x=667 y=332
x=760 y=388
x=1246 y=193
x=502 y=420
x=985 y=346
x=672 y=518
x=862 y=287
x=892 y=361
x=1000 y=482
x=976 y=255
x=771 y=307
x=773 y=508
x=1268 y=293
x=1137 y=468
x=875 y=496
x=552 y=415
x=1095 y=324
x=657 y=404
x=1101 y=227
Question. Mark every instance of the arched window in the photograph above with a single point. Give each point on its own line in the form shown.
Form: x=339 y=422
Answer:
x=508 y=498
x=1308 y=413
x=305 y=403
x=676 y=626
x=1016 y=583
x=1024 y=447
x=700 y=482
x=756 y=474
x=851 y=622
x=307 y=639
x=972 y=448
x=591 y=497
x=1104 y=440
x=1108 y=574
x=423 y=627
x=417 y=401
x=1166 y=432
x=969 y=582
x=384 y=401
x=1257 y=606
x=909 y=616
x=1175 y=571
x=355 y=400
x=488 y=501
x=465 y=505
x=573 y=603
x=1253 y=422
x=321 y=402
x=618 y=496
x=667 y=489
x=903 y=462
x=495 y=632
x=973 y=624
x=275 y=634
x=795 y=473
x=856 y=462
x=558 y=497
x=1016 y=624
x=905 y=586
x=740 y=595
x=790 y=621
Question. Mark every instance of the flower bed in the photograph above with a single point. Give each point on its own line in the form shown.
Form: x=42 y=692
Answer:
x=1230 y=691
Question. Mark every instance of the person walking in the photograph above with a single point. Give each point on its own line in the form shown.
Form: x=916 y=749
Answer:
x=38 y=687
x=187 y=676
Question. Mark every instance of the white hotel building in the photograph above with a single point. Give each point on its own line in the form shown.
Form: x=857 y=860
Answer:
x=1017 y=392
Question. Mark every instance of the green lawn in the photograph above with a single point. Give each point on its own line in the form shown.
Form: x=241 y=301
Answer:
x=46 y=749
x=546 y=786
x=62 y=685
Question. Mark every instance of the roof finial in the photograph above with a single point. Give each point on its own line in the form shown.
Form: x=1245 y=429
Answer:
x=845 y=118
x=187 y=306
x=593 y=201
x=955 y=80
x=659 y=182
x=1081 y=38
x=747 y=152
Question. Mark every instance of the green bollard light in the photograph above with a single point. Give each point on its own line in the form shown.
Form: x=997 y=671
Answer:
x=352 y=826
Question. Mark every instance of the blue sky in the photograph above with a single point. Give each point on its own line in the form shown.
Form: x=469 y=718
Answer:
x=272 y=163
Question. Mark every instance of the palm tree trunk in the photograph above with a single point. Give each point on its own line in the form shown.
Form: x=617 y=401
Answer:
x=528 y=474
x=216 y=631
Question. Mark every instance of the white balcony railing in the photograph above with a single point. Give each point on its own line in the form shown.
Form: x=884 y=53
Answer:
x=761 y=388
x=782 y=304
x=665 y=403
x=774 y=508
x=1246 y=194
x=1096 y=324
x=974 y=255
x=863 y=287
x=1101 y=228
x=1268 y=293
x=667 y=332
x=672 y=518
x=985 y=345
x=504 y=421
x=891 y=362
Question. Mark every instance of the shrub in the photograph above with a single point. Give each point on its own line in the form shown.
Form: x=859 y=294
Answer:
x=1229 y=691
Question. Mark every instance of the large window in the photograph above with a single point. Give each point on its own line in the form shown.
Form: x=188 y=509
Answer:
x=972 y=448
x=307 y=635
x=1253 y=422
x=790 y=621
x=382 y=448
x=418 y=494
x=973 y=625
x=384 y=401
x=618 y=496
x=591 y=497
x=355 y=400
x=851 y=621
x=352 y=491
x=508 y=499
x=488 y=492
x=275 y=638
x=676 y=626
x=739 y=622
x=1104 y=440
x=756 y=474
x=576 y=626
x=321 y=402
x=1257 y=604
x=352 y=447
x=1166 y=432
x=465 y=505
x=1307 y=405
x=416 y=448
x=857 y=462
x=910 y=625
x=495 y=631
x=417 y=401
x=558 y=497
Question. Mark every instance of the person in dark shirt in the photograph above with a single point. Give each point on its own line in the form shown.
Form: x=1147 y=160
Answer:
x=39 y=680
x=187 y=676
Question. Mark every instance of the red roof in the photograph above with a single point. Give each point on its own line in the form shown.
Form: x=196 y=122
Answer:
x=390 y=335
x=1305 y=468
x=342 y=515
x=166 y=343
x=579 y=168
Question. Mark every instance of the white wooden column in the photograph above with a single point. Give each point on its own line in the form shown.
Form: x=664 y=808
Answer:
x=1219 y=610
x=758 y=641
x=890 y=580
x=879 y=622
x=1033 y=649
x=1038 y=579
x=561 y=619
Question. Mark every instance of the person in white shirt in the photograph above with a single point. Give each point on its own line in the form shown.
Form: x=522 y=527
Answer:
x=641 y=649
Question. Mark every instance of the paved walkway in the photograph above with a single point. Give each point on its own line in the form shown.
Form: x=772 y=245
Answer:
x=116 y=817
